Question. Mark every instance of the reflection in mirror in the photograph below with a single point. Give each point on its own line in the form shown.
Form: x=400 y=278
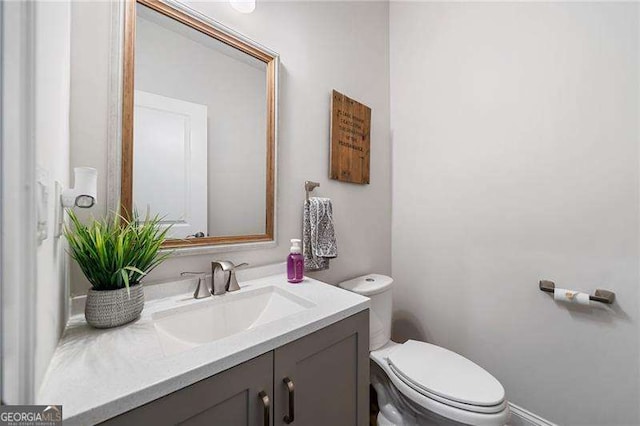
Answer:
x=203 y=137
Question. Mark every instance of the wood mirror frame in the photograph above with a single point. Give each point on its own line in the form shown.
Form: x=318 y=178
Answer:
x=222 y=34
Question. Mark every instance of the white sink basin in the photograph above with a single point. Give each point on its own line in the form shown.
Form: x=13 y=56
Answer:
x=218 y=317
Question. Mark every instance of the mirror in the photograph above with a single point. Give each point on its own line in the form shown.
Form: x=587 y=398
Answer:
x=198 y=127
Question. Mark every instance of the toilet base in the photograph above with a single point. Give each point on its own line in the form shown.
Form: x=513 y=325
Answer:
x=381 y=420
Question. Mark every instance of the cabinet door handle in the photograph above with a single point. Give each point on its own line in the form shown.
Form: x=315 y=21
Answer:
x=266 y=407
x=290 y=389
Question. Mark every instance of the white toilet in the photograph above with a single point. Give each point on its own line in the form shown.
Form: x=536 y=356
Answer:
x=418 y=383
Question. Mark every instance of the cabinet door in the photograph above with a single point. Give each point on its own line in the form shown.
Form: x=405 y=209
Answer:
x=328 y=372
x=229 y=398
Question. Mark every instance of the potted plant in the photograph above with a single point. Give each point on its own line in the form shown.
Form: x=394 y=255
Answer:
x=115 y=255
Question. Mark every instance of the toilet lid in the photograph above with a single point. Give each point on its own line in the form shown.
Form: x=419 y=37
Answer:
x=438 y=371
x=368 y=285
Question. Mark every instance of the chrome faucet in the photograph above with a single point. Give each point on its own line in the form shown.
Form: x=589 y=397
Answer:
x=201 y=290
x=223 y=276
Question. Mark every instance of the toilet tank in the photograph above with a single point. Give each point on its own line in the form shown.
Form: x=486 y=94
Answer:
x=378 y=289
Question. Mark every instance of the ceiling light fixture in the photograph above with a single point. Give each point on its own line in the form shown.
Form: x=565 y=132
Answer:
x=243 y=6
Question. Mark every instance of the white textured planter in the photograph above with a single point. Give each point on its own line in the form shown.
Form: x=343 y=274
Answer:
x=111 y=308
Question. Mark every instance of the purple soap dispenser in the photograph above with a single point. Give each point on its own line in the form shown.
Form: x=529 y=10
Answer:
x=295 y=262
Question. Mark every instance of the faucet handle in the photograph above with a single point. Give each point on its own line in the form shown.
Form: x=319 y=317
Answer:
x=233 y=281
x=201 y=288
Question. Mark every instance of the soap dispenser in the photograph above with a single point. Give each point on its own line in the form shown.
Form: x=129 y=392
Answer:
x=295 y=262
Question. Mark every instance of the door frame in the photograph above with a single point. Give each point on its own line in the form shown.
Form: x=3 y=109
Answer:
x=18 y=169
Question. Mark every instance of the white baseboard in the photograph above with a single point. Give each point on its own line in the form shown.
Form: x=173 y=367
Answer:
x=522 y=417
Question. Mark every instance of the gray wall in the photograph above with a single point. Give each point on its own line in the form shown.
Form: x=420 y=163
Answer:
x=323 y=46
x=515 y=144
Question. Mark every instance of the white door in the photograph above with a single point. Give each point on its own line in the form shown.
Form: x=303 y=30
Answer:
x=170 y=162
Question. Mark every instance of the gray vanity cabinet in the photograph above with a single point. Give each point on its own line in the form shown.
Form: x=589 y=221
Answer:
x=329 y=372
x=320 y=379
x=229 y=398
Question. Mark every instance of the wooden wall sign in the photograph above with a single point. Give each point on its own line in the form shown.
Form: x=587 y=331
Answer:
x=350 y=139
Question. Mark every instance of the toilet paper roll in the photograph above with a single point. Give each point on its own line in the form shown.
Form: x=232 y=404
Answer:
x=571 y=296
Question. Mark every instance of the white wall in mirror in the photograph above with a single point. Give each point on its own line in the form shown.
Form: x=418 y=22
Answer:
x=177 y=62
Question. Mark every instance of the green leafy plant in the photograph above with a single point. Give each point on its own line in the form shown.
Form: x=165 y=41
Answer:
x=118 y=253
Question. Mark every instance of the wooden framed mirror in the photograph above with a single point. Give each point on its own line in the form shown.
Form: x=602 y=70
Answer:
x=198 y=127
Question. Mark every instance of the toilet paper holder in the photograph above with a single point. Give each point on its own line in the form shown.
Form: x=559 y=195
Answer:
x=602 y=296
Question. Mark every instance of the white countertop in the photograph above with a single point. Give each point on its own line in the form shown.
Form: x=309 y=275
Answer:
x=98 y=374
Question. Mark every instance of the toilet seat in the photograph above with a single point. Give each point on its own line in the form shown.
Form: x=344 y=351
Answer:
x=447 y=377
x=467 y=407
x=449 y=408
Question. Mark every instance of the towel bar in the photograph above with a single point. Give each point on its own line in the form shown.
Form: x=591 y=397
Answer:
x=310 y=186
x=602 y=296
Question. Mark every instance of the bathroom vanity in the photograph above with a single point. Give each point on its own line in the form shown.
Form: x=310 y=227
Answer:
x=263 y=355
x=319 y=379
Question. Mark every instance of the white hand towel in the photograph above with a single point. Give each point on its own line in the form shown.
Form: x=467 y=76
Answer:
x=319 y=239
